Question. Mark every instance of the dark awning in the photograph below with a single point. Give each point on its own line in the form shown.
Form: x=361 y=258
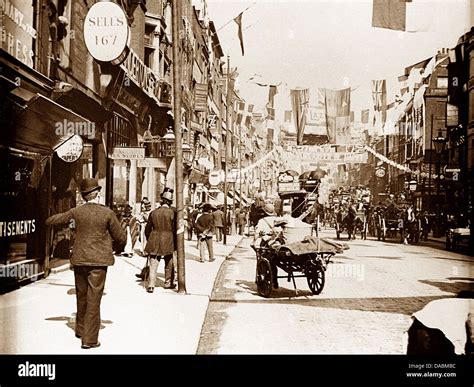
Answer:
x=85 y=103
x=196 y=177
x=37 y=126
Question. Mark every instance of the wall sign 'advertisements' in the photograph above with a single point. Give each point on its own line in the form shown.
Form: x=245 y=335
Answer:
x=71 y=149
x=16 y=28
x=17 y=227
x=106 y=31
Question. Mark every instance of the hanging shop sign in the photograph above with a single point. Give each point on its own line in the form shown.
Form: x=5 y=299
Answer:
x=380 y=172
x=200 y=97
x=214 y=178
x=152 y=162
x=127 y=153
x=17 y=30
x=141 y=75
x=71 y=149
x=106 y=32
x=211 y=121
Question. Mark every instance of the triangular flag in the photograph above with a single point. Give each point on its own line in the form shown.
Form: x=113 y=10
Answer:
x=238 y=20
x=272 y=91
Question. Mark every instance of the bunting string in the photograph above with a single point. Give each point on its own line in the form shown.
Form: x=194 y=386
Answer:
x=401 y=167
x=231 y=20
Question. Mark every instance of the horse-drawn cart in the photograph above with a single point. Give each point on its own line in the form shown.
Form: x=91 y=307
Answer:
x=308 y=258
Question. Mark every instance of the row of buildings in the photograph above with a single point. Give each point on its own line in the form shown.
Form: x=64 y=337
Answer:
x=427 y=149
x=423 y=152
x=66 y=115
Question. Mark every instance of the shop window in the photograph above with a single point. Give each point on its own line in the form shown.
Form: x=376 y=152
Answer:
x=442 y=82
x=23 y=205
x=149 y=55
x=119 y=131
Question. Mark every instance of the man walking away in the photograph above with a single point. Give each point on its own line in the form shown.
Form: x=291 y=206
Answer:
x=96 y=227
x=218 y=223
x=205 y=231
x=161 y=234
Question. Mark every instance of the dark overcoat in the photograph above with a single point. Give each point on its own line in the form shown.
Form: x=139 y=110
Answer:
x=160 y=231
x=96 y=227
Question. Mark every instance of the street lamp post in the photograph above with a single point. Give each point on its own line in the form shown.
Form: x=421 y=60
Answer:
x=439 y=143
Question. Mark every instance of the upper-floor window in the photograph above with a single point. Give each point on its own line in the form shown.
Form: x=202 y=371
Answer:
x=442 y=82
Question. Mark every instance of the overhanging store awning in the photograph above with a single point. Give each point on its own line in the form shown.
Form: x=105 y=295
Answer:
x=239 y=199
x=45 y=124
x=242 y=198
x=217 y=198
x=196 y=177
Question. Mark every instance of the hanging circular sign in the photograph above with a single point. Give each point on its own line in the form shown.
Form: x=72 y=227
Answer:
x=71 y=149
x=380 y=172
x=214 y=178
x=106 y=31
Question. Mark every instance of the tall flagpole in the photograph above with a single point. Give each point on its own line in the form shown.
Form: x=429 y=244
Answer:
x=176 y=16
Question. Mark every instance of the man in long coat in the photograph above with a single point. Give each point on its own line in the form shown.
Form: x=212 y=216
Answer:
x=96 y=227
x=161 y=235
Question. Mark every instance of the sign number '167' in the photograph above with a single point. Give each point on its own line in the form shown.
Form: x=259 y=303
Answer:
x=105 y=40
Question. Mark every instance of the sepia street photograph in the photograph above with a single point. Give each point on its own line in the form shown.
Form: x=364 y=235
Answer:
x=226 y=177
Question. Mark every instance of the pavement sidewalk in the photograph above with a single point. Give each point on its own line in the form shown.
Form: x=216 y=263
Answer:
x=39 y=318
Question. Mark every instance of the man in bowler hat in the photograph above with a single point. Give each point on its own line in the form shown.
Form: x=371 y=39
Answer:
x=161 y=241
x=96 y=227
x=205 y=231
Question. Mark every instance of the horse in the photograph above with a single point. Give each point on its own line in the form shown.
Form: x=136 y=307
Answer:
x=411 y=230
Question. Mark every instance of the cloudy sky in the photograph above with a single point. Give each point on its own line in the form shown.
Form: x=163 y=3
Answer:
x=331 y=44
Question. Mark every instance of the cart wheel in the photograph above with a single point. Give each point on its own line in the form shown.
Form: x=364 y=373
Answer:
x=316 y=278
x=264 y=277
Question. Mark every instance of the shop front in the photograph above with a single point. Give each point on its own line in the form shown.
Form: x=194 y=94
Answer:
x=42 y=161
x=139 y=101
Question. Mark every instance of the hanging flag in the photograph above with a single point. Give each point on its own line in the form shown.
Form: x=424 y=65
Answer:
x=403 y=84
x=315 y=131
x=250 y=108
x=270 y=134
x=238 y=119
x=338 y=108
x=270 y=113
x=299 y=103
x=389 y=14
x=272 y=91
x=379 y=96
x=238 y=20
x=248 y=121
x=287 y=115
x=365 y=116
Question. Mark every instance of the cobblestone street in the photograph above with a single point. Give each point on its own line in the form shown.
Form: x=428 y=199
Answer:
x=365 y=307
